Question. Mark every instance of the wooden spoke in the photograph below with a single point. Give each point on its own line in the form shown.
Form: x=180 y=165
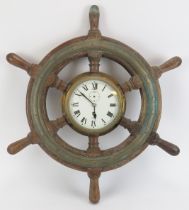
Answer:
x=17 y=146
x=94 y=60
x=94 y=32
x=55 y=81
x=16 y=60
x=93 y=148
x=165 y=145
x=94 y=173
x=55 y=125
x=133 y=84
x=94 y=15
x=131 y=126
x=94 y=191
x=167 y=66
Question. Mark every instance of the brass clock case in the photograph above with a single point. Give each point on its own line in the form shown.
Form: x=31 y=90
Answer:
x=93 y=76
x=94 y=160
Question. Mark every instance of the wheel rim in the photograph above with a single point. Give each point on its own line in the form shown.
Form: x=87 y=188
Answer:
x=124 y=152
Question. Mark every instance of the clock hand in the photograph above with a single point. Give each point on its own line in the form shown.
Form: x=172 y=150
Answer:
x=87 y=98
x=93 y=104
x=94 y=112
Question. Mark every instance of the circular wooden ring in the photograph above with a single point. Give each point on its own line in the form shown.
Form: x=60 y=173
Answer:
x=150 y=110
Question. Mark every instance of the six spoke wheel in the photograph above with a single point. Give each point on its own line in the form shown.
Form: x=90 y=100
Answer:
x=44 y=75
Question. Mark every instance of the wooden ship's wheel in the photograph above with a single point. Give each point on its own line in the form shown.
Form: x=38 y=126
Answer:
x=93 y=104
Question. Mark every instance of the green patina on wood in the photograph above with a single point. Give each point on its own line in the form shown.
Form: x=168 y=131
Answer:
x=45 y=75
x=125 y=55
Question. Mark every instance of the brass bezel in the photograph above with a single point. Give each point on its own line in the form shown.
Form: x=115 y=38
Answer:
x=80 y=79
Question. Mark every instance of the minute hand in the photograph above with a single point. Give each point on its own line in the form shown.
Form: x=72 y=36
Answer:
x=87 y=98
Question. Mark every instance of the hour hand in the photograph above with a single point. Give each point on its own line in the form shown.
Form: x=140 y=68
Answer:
x=94 y=115
x=94 y=112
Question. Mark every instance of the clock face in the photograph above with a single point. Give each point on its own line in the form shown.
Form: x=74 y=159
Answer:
x=94 y=104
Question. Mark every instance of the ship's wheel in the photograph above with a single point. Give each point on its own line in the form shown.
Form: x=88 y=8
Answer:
x=93 y=104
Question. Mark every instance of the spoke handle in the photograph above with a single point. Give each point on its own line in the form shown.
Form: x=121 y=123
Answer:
x=94 y=190
x=17 y=146
x=94 y=15
x=170 y=64
x=19 y=62
x=16 y=60
x=168 y=147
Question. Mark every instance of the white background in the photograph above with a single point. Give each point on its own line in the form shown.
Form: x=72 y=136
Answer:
x=156 y=29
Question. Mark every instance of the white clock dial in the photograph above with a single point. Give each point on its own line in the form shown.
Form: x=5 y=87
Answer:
x=94 y=104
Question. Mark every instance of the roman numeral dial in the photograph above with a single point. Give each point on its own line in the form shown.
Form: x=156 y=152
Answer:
x=94 y=105
x=85 y=87
x=94 y=85
x=110 y=114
